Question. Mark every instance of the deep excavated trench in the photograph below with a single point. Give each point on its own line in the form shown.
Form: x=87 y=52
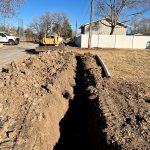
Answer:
x=63 y=102
x=83 y=124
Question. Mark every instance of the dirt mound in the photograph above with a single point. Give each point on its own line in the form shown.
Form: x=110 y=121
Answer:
x=33 y=99
x=127 y=114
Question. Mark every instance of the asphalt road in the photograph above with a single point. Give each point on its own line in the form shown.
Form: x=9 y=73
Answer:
x=10 y=53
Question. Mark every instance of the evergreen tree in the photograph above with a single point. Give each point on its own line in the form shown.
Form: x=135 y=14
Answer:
x=67 y=31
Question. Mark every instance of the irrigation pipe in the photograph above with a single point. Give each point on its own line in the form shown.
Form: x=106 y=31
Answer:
x=100 y=61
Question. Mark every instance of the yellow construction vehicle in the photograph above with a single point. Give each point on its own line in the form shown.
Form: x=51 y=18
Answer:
x=54 y=40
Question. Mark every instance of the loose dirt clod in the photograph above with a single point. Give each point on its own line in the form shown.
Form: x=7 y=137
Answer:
x=61 y=101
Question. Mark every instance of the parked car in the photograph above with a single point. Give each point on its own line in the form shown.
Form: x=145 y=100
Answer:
x=7 y=38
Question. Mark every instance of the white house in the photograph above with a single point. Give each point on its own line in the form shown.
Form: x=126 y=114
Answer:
x=103 y=27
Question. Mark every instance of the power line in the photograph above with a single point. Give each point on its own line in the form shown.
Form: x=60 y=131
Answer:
x=83 y=4
x=86 y=13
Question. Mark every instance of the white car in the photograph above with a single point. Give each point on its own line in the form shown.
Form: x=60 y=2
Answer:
x=6 y=38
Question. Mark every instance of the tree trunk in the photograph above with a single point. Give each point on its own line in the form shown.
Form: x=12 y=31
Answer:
x=112 y=30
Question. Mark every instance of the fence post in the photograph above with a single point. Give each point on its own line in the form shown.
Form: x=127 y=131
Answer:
x=115 y=42
x=133 y=42
x=81 y=41
x=98 y=41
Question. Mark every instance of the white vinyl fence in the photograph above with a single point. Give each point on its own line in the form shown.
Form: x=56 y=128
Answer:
x=114 y=41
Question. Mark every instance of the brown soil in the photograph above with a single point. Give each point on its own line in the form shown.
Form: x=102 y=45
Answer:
x=34 y=97
x=124 y=110
x=61 y=101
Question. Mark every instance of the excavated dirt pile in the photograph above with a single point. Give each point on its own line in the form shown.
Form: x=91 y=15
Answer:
x=62 y=101
x=33 y=99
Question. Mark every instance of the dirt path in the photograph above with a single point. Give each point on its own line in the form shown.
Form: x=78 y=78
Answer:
x=10 y=53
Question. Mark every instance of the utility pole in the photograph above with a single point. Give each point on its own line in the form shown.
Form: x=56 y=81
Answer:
x=90 y=27
x=20 y=27
x=4 y=23
x=76 y=27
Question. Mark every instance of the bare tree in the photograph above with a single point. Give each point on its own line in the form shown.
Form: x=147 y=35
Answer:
x=141 y=26
x=58 y=22
x=9 y=8
x=61 y=25
x=49 y=23
x=9 y=28
x=144 y=26
x=46 y=22
x=121 y=10
x=134 y=25
x=35 y=26
x=43 y=24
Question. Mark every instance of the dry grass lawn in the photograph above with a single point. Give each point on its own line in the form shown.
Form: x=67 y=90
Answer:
x=126 y=64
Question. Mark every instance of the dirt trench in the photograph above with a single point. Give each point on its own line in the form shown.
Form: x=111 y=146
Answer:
x=104 y=114
x=83 y=124
x=63 y=101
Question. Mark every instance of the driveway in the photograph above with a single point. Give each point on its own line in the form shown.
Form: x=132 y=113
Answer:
x=10 y=53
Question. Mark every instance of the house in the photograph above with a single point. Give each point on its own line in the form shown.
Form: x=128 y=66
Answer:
x=103 y=27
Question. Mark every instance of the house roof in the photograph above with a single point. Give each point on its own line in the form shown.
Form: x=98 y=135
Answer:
x=108 y=20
